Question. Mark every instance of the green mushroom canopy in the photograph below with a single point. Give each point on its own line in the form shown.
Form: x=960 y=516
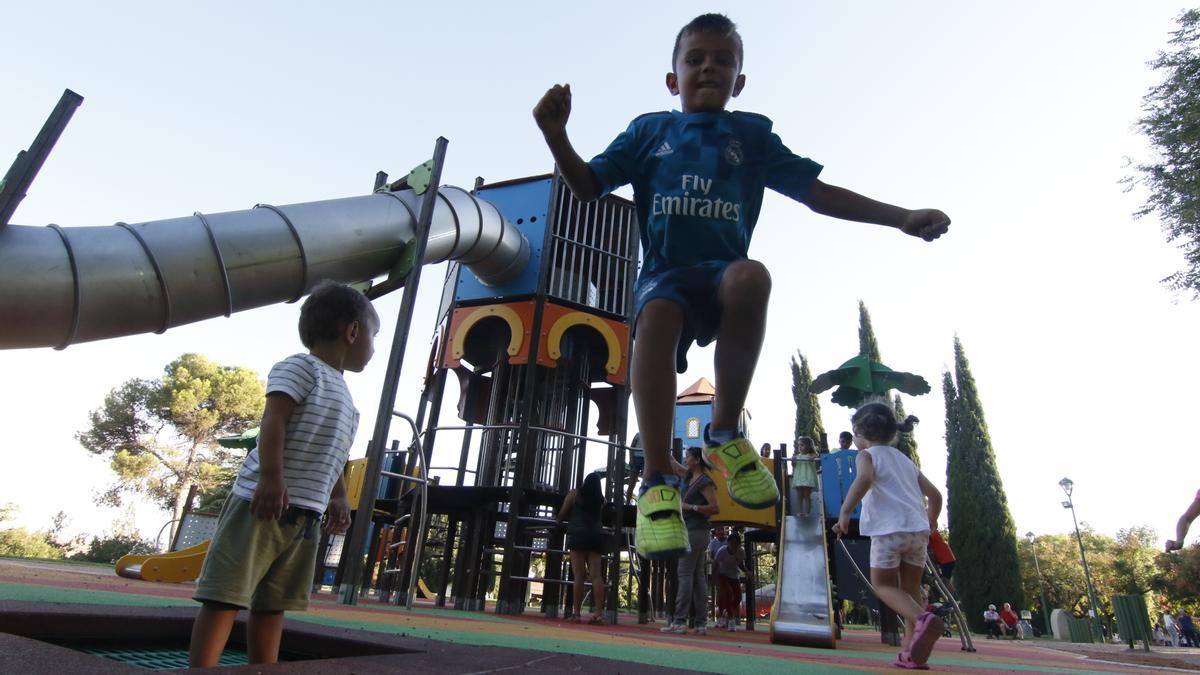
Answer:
x=860 y=378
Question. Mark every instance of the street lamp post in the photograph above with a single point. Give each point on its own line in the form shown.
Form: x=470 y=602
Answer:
x=1041 y=587
x=1068 y=487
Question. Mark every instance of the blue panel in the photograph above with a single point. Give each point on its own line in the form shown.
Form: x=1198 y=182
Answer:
x=524 y=205
x=702 y=412
x=837 y=473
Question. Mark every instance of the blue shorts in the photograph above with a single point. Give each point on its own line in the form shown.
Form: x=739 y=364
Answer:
x=695 y=290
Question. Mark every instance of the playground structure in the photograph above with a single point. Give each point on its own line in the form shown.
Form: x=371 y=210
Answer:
x=534 y=325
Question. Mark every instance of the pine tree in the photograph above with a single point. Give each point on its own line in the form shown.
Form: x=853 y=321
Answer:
x=808 y=409
x=867 y=344
x=982 y=531
x=1170 y=177
x=906 y=442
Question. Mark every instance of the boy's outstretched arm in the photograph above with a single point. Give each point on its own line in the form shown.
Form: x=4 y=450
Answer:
x=836 y=202
x=1184 y=524
x=551 y=114
x=935 y=500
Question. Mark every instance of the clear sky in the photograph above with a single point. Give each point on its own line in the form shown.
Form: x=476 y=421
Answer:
x=1015 y=118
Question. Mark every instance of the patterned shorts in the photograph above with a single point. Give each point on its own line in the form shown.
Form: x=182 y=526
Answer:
x=888 y=550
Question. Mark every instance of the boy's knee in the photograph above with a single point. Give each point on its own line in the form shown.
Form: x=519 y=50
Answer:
x=660 y=317
x=749 y=279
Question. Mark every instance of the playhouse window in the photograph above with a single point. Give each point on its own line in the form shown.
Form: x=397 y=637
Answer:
x=693 y=427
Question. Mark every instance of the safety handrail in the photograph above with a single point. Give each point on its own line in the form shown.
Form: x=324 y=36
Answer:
x=410 y=594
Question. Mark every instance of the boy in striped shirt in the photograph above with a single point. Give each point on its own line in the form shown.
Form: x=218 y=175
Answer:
x=264 y=552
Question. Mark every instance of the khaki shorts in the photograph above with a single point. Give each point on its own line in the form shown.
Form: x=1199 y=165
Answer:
x=888 y=550
x=263 y=565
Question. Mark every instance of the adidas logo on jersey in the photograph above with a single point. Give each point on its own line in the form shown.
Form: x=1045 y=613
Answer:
x=664 y=150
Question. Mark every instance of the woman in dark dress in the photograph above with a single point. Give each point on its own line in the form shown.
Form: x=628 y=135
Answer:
x=585 y=542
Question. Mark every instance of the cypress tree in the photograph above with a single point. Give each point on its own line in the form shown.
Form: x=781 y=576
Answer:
x=867 y=344
x=808 y=409
x=982 y=531
x=906 y=442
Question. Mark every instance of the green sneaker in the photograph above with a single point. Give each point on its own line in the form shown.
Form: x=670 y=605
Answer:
x=660 y=532
x=750 y=482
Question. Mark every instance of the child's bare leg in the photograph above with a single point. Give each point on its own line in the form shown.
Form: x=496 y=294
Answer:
x=805 y=500
x=744 y=292
x=889 y=587
x=578 y=577
x=597 y=576
x=210 y=632
x=910 y=583
x=264 y=631
x=658 y=329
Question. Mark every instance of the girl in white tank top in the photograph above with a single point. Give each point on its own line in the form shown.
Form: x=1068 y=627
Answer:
x=893 y=491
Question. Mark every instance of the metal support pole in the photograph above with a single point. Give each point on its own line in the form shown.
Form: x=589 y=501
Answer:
x=1087 y=576
x=387 y=399
x=1041 y=587
x=28 y=162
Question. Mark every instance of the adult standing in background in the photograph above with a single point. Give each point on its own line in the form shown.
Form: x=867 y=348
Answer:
x=1172 y=629
x=699 y=503
x=582 y=510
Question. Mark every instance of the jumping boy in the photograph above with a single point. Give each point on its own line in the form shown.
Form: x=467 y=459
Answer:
x=264 y=552
x=698 y=178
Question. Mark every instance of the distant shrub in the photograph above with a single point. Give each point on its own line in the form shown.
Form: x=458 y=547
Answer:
x=111 y=548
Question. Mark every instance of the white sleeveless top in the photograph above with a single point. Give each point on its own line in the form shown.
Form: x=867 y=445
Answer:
x=894 y=503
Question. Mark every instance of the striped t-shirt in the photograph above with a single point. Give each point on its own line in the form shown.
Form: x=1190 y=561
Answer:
x=319 y=432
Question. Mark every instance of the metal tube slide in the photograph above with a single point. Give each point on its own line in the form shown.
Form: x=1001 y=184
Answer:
x=59 y=286
x=802 y=614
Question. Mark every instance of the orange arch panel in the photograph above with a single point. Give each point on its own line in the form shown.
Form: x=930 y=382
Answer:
x=465 y=319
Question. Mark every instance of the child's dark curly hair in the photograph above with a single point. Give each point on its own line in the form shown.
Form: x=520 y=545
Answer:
x=717 y=24
x=877 y=422
x=330 y=307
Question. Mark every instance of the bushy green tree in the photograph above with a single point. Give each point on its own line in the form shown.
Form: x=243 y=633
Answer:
x=160 y=435
x=1171 y=123
x=982 y=531
x=808 y=409
x=18 y=542
x=1177 y=580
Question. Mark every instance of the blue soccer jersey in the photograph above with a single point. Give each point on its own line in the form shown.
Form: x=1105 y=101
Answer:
x=698 y=181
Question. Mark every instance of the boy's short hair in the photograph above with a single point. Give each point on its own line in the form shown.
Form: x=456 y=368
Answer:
x=844 y=435
x=330 y=307
x=710 y=23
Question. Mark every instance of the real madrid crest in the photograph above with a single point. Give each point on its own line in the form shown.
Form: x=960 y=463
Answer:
x=733 y=152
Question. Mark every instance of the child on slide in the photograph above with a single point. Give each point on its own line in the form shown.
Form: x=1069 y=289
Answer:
x=893 y=491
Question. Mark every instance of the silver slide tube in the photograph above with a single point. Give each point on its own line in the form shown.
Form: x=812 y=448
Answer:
x=59 y=286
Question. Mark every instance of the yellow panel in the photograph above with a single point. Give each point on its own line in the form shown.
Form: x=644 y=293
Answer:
x=554 y=339
x=516 y=329
x=733 y=514
x=356 y=470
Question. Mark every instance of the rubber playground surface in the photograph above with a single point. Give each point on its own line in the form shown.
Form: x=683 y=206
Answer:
x=638 y=646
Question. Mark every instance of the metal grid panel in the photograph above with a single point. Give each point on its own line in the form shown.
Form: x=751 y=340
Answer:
x=593 y=251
